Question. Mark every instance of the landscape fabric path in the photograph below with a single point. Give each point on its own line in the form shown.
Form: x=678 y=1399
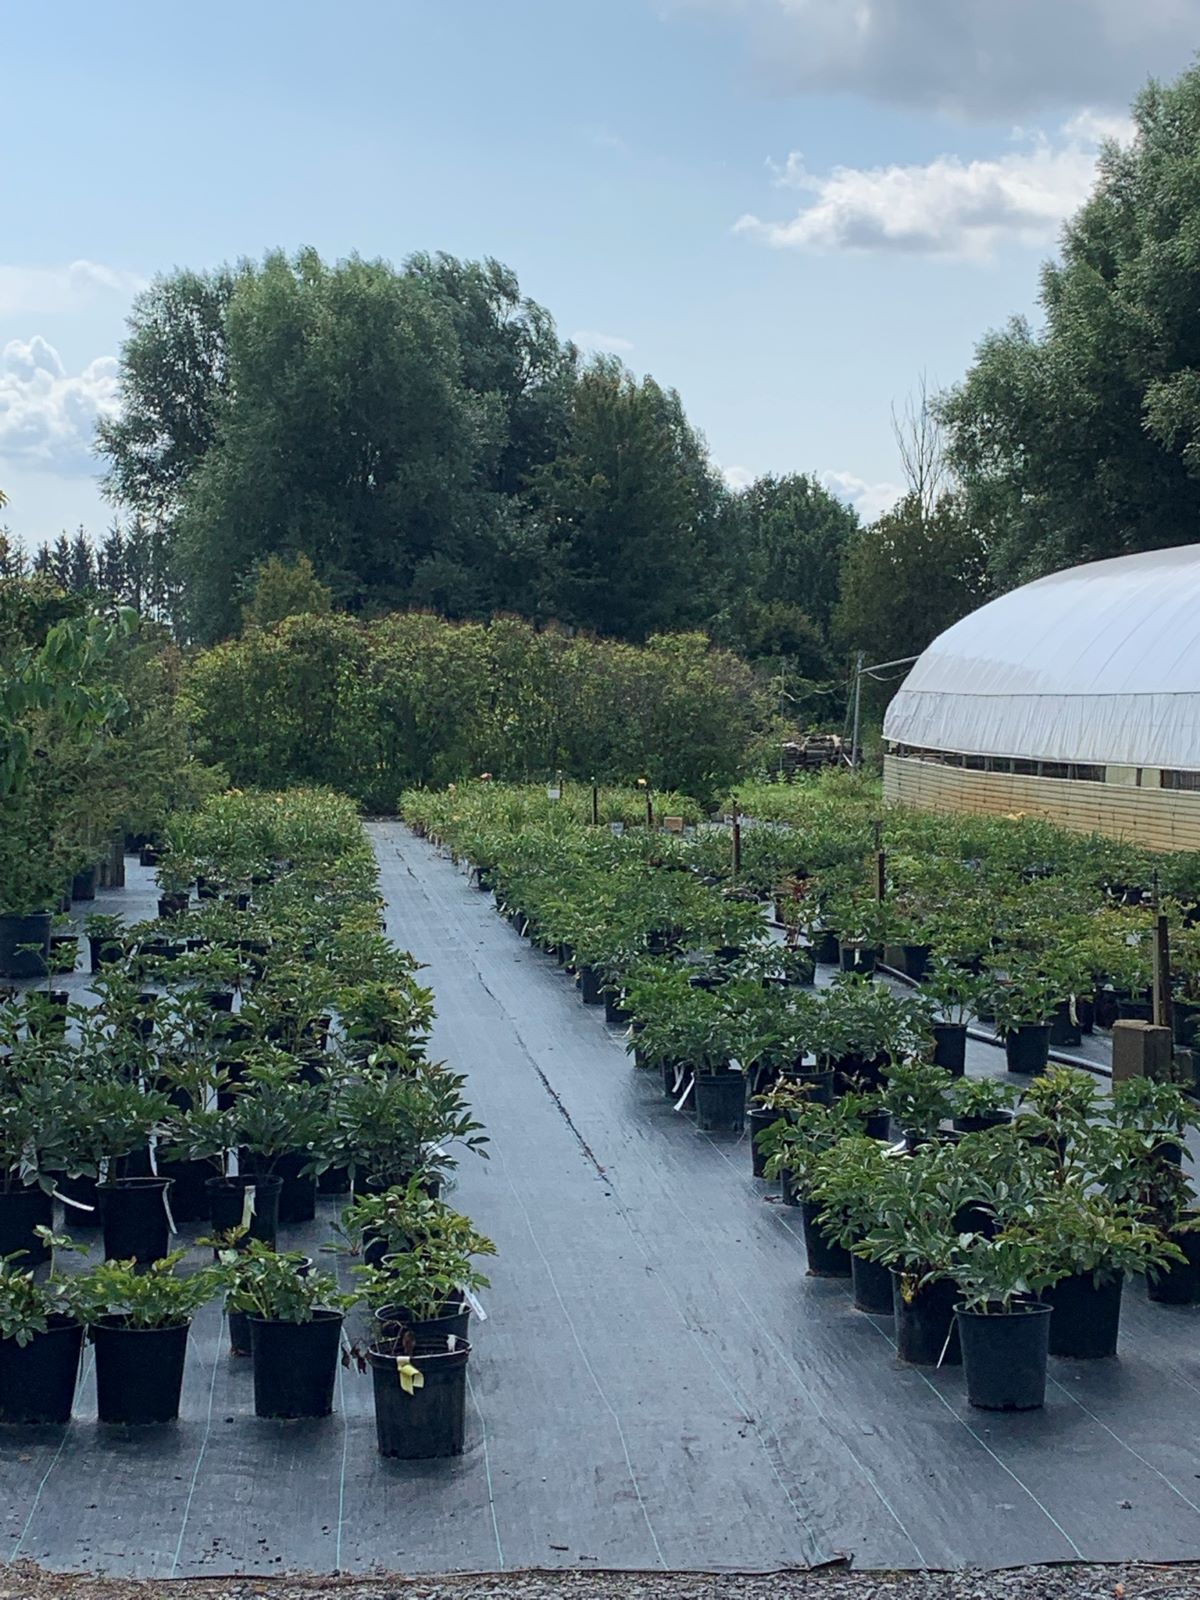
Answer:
x=658 y=1385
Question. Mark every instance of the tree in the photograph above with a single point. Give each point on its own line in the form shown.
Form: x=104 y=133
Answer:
x=1082 y=440
x=285 y=589
x=630 y=510
x=344 y=434
x=906 y=579
x=788 y=537
x=174 y=373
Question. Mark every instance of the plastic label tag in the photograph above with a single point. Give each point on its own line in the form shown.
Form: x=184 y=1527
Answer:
x=247 y=1205
x=171 y=1228
x=473 y=1301
x=411 y=1378
x=683 y=1098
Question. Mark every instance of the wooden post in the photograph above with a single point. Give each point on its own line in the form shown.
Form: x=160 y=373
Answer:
x=1162 y=972
x=595 y=804
x=649 y=809
x=737 y=843
x=880 y=863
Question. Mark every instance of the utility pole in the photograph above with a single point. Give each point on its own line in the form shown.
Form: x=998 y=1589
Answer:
x=858 y=677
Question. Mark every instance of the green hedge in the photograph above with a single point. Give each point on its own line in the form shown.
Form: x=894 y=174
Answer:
x=375 y=708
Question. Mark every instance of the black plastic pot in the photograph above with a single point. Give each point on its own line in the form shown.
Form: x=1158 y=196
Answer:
x=1135 y=1010
x=103 y=950
x=950 y=1047
x=297 y=1195
x=1087 y=1317
x=139 y=1371
x=420 y=1423
x=15 y=932
x=819 y=1086
x=860 y=958
x=37 y=1380
x=591 y=984
x=615 y=1014
x=21 y=1211
x=1178 y=1284
x=757 y=1119
x=1185 y=1015
x=189 y=1201
x=826 y=948
x=83 y=884
x=1064 y=1028
x=825 y=1259
x=981 y=1124
x=83 y=1192
x=453 y=1321
x=916 y=961
x=1004 y=1357
x=334 y=1180
x=227 y=1206
x=133 y=1213
x=295 y=1365
x=1027 y=1048
x=925 y=1325
x=720 y=1099
x=872 y=1286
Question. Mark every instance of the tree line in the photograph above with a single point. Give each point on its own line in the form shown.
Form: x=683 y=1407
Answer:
x=424 y=439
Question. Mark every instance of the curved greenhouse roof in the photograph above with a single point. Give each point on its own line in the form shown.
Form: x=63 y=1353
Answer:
x=1099 y=663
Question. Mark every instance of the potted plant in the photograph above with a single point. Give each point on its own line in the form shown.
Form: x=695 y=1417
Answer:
x=295 y=1318
x=914 y=1232
x=1091 y=1246
x=40 y=1342
x=1023 y=1004
x=919 y=1097
x=845 y=1187
x=284 y=1131
x=138 y=1320
x=982 y=1103
x=953 y=993
x=793 y=1151
x=32 y=1140
x=388 y=1128
x=1004 y=1328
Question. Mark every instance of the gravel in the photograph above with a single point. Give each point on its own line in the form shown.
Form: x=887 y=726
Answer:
x=26 y=1582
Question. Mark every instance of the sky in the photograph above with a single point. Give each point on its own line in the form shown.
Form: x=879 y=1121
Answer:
x=789 y=210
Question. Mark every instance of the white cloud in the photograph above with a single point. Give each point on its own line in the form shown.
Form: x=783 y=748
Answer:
x=870 y=500
x=610 y=343
x=40 y=291
x=736 y=478
x=949 y=207
x=983 y=59
x=47 y=415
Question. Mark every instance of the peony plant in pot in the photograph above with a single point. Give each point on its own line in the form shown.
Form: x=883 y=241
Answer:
x=920 y=1097
x=41 y=1338
x=793 y=1150
x=388 y=1127
x=295 y=1318
x=953 y=994
x=845 y=1187
x=1003 y=1325
x=1023 y=1003
x=138 y=1320
x=108 y=1127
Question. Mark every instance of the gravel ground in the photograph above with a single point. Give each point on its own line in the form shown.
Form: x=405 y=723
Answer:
x=24 y=1582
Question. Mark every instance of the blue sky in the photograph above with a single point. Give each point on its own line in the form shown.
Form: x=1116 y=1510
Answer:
x=787 y=209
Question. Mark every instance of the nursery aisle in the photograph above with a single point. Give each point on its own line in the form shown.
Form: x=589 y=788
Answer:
x=660 y=1383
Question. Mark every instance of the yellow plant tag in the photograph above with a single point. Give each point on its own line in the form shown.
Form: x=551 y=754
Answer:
x=410 y=1377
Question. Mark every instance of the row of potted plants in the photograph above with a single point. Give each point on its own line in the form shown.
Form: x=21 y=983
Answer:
x=258 y=1041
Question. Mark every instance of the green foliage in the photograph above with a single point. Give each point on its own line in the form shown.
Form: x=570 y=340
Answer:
x=1083 y=440
x=154 y=1296
x=284 y=589
x=278 y=1286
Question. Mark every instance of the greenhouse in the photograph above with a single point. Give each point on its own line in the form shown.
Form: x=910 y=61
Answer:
x=1075 y=698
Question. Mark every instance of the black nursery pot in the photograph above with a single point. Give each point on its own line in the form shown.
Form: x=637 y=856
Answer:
x=189 y=1200
x=133 y=1213
x=15 y=932
x=431 y=1420
x=1178 y=1284
x=37 y=1380
x=1086 y=1319
x=21 y=1211
x=825 y=1259
x=103 y=950
x=591 y=985
x=924 y=1322
x=757 y=1119
x=826 y=947
x=860 y=958
x=872 y=1286
x=84 y=1192
x=83 y=884
x=227 y=1206
x=950 y=1047
x=820 y=1087
x=1004 y=1357
x=453 y=1321
x=615 y=1014
x=139 y=1371
x=1027 y=1048
x=297 y=1194
x=1064 y=1028
x=720 y=1099
x=295 y=1365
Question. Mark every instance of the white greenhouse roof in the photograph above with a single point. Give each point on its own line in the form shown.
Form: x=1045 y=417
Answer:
x=1099 y=664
